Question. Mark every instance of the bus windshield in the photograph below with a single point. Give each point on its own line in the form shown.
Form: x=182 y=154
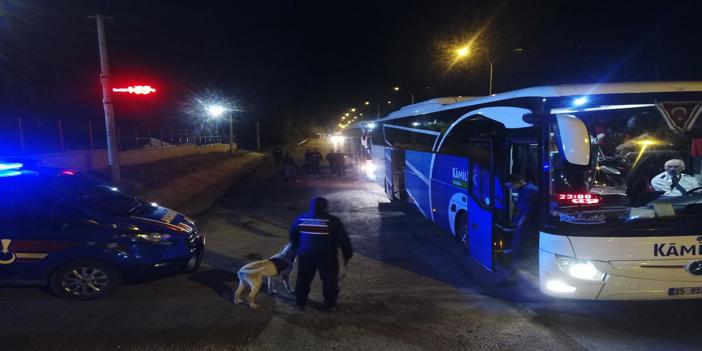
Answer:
x=644 y=166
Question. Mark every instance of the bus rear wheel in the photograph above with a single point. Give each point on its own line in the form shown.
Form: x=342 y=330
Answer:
x=462 y=235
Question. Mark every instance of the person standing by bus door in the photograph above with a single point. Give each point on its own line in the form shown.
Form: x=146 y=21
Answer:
x=318 y=237
x=525 y=239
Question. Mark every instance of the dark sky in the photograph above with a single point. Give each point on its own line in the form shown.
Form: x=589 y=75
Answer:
x=282 y=58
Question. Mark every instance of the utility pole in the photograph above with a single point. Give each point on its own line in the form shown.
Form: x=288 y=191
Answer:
x=258 y=138
x=231 y=133
x=110 y=130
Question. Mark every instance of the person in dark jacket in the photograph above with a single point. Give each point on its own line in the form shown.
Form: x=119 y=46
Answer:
x=316 y=160
x=340 y=159
x=526 y=234
x=289 y=168
x=308 y=161
x=318 y=237
x=331 y=159
x=277 y=155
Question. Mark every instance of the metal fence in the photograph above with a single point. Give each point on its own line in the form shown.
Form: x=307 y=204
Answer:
x=25 y=136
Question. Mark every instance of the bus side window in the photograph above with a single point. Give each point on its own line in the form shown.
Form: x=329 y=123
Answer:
x=524 y=161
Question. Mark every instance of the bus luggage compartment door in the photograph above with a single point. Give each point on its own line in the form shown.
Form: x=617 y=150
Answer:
x=394 y=174
x=480 y=202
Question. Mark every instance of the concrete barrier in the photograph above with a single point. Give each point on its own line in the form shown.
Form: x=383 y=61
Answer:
x=97 y=159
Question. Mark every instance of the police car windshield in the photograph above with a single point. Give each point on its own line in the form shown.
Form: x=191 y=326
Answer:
x=644 y=165
x=96 y=195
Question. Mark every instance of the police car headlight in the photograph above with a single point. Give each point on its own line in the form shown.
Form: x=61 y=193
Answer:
x=579 y=268
x=156 y=238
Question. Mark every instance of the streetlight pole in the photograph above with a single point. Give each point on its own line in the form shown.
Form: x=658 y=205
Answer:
x=258 y=138
x=110 y=130
x=231 y=133
x=491 y=67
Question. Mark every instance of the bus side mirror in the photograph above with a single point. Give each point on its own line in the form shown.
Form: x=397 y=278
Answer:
x=534 y=119
x=574 y=139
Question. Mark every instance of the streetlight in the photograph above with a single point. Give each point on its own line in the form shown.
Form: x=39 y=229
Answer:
x=215 y=110
x=465 y=51
x=411 y=94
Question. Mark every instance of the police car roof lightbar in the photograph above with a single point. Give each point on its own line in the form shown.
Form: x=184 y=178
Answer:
x=10 y=166
x=4 y=174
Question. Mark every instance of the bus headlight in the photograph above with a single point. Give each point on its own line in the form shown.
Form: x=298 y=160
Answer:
x=369 y=167
x=579 y=268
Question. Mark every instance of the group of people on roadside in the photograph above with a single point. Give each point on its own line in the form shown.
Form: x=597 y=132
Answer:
x=312 y=161
x=337 y=162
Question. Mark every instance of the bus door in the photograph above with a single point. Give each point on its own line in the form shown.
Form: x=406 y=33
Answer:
x=395 y=173
x=481 y=191
x=523 y=160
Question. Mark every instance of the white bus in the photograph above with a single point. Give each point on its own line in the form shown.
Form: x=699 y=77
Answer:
x=615 y=223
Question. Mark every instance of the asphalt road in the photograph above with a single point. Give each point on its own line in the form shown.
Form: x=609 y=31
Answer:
x=409 y=287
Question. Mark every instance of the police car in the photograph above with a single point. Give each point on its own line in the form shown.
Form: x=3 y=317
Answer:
x=82 y=237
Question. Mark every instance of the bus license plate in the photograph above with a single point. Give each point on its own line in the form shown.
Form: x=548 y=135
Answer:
x=684 y=291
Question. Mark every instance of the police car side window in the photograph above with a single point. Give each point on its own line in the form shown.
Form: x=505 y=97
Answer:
x=11 y=209
x=23 y=202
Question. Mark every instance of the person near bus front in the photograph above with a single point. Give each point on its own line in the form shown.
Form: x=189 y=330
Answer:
x=525 y=237
x=673 y=182
x=318 y=237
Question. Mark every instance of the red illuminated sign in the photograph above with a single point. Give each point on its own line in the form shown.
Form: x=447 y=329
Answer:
x=137 y=89
x=579 y=199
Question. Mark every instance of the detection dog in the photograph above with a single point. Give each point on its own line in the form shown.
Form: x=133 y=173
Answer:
x=252 y=274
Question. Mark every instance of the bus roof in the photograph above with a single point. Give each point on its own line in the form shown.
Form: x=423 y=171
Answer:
x=440 y=104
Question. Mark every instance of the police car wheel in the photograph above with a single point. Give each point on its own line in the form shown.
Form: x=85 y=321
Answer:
x=462 y=235
x=85 y=280
x=194 y=263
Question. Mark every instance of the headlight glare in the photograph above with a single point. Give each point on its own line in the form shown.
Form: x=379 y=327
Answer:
x=579 y=268
x=156 y=238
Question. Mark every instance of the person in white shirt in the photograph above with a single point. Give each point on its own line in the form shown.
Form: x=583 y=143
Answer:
x=673 y=182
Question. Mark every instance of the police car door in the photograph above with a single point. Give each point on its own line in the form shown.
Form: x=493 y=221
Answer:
x=481 y=190
x=26 y=236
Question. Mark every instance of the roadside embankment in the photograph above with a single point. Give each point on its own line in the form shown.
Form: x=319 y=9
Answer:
x=191 y=183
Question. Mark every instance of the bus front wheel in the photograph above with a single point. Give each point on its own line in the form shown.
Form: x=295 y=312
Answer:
x=462 y=234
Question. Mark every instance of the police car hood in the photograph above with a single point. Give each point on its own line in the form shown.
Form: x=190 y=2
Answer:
x=161 y=218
